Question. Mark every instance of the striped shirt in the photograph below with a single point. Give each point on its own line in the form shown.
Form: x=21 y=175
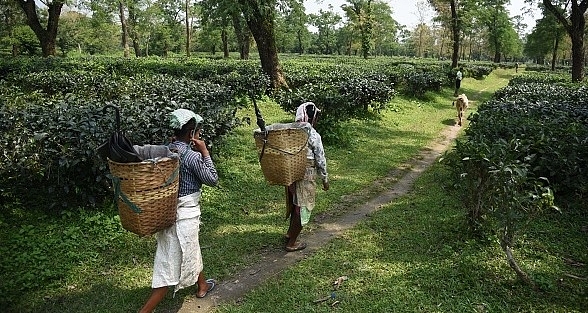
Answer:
x=195 y=170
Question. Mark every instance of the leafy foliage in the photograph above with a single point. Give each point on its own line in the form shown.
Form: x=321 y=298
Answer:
x=53 y=123
x=525 y=143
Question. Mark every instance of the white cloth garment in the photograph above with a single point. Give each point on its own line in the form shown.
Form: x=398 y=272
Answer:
x=301 y=115
x=178 y=259
x=179 y=117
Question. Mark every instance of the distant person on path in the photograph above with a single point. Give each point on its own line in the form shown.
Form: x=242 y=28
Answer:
x=458 y=78
x=178 y=259
x=517 y=67
x=300 y=195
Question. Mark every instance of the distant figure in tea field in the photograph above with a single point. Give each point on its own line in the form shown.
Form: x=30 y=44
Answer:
x=458 y=78
x=178 y=259
x=300 y=195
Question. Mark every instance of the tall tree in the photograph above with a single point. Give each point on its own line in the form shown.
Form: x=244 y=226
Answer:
x=127 y=12
x=545 y=38
x=574 y=23
x=495 y=17
x=224 y=12
x=133 y=25
x=453 y=14
x=188 y=27
x=242 y=33
x=47 y=35
x=10 y=18
x=326 y=24
x=293 y=29
x=421 y=40
x=359 y=13
x=124 y=27
x=384 y=28
x=171 y=30
x=217 y=14
x=422 y=31
x=260 y=16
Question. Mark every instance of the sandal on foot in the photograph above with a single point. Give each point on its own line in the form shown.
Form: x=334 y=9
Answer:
x=211 y=284
x=297 y=247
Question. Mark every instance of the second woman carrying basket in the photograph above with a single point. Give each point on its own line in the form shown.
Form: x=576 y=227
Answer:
x=300 y=195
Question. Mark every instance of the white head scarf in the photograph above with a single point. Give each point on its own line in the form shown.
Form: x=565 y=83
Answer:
x=301 y=115
x=180 y=117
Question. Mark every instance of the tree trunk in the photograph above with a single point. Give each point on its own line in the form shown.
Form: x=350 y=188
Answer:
x=506 y=244
x=188 y=35
x=124 y=28
x=47 y=37
x=243 y=35
x=246 y=46
x=14 y=46
x=133 y=31
x=261 y=24
x=299 y=39
x=575 y=29
x=455 y=25
x=442 y=45
x=554 y=55
x=225 y=40
x=497 y=56
x=577 y=36
x=471 y=48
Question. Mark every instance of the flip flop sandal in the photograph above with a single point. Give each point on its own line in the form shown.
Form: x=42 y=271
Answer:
x=211 y=284
x=297 y=247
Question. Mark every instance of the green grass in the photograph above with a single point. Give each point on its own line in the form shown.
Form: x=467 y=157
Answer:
x=411 y=256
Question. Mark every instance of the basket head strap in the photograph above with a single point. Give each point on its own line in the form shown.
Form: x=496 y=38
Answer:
x=172 y=177
x=118 y=194
x=265 y=132
x=281 y=150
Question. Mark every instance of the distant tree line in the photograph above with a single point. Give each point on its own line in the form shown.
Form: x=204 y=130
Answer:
x=461 y=30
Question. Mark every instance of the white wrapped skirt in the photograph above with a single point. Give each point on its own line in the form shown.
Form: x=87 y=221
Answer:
x=178 y=259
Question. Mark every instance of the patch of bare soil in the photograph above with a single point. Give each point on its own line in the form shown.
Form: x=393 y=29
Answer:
x=324 y=229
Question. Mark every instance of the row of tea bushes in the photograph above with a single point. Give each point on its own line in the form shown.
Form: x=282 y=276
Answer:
x=49 y=140
x=537 y=132
x=51 y=119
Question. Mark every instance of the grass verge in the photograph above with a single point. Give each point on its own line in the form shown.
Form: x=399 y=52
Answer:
x=413 y=256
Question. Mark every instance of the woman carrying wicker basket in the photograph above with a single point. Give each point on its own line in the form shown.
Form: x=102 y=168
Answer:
x=301 y=194
x=178 y=259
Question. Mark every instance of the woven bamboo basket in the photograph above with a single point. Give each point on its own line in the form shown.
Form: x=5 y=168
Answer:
x=282 y=152
x=147 y=194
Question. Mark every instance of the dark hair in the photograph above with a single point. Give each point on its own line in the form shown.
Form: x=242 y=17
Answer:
x=310 y=111
x=191 y=124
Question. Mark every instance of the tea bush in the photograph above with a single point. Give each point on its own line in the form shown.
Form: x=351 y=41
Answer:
x=522 y=149
x=50 y=138
x=539 y=126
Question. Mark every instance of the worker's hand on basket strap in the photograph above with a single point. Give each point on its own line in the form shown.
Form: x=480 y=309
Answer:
x=325 y=185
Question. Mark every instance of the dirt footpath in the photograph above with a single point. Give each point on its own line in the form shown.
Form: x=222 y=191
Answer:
x=273 y=262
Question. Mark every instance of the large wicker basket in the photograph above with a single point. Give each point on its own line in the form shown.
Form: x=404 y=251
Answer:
x=282 y=152
x=147 y=194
